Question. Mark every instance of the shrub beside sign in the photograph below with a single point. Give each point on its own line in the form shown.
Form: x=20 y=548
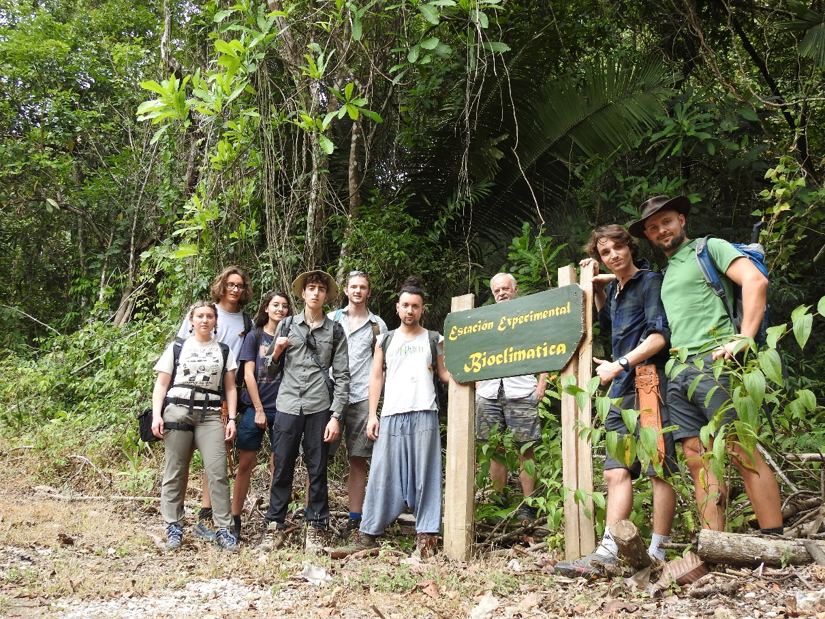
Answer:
x=527 y=335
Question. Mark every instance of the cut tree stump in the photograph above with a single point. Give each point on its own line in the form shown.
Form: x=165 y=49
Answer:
x=753 y=550
x=631 y=547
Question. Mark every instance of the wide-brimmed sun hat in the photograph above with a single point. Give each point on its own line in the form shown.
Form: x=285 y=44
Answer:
x=680 y=204
x=332 y=287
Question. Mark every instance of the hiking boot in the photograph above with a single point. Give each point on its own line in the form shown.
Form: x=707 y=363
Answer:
x=526 y=514
x=272 y=538
x=174 y=536
x=353 y=524
x=358 y=541
x=315 y=540
x=204 y=530
x=426 y=545
x=586 y=567
x=225 y=540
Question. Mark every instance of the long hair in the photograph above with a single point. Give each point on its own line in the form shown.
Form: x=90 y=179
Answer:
x=261 y=317
x=219 y=285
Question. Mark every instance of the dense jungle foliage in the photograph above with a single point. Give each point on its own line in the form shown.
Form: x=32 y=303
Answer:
x=147 y=144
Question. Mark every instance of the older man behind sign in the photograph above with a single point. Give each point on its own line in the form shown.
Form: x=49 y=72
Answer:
x=511 y=403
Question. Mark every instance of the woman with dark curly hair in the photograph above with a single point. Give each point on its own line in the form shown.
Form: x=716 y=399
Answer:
x=258 y=401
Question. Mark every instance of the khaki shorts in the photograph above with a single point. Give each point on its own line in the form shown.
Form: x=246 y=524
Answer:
x=520 y=416
x=353 y=425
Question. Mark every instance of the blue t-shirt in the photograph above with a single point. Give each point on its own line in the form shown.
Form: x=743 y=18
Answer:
x=267 y=385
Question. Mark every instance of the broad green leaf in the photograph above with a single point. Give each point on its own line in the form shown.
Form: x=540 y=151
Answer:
x=356 y=29
x=755 y=384
x=602 y=407
x=326 y=145
x=581 y=399
x=598 y=499
x=185 y=250
x=496 y=46
x=820 y=307
x=348 y=90
x=430 y=13
x=352 y=111
x=611 y=441
x=802 y=323
x=774 y=334
x=593 y=385
x=748 y=114
x=374 y=116
x=630 y=417
x=221 y=15
x=154 y=86
x=412 y=55
x=807 y=398
x=694 y=384
x=430 y=43
x=771 y=364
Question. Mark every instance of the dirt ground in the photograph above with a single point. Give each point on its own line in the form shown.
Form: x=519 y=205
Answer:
x=65 y=555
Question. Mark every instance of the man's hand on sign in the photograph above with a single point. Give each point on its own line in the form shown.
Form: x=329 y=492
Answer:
x=607 y=370
x=599 y=281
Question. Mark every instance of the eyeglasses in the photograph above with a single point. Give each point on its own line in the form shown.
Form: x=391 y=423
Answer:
x=233 y=286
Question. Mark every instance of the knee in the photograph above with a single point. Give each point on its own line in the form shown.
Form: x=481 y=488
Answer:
x=616 y=477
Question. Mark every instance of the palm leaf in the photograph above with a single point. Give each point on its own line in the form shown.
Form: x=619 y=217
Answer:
x=813 y=44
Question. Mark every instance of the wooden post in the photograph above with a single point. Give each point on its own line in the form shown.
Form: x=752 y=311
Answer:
x=459 y=487
x=577 y=461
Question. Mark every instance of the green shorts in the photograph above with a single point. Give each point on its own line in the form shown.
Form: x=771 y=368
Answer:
x=520 y=416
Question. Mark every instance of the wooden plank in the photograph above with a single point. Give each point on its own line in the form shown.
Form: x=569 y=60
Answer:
x=459 y=486
x=584 y=452
x=569 y=451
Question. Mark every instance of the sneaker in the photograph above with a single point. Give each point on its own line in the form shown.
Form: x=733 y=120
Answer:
x=426 y=545
x=204 y=530
x=526 y=514
x=586 y=567
x=174 y=536
x=315 y=540
x=225 y=540
x=358 y=541
x=272 y=538
x=353 y=524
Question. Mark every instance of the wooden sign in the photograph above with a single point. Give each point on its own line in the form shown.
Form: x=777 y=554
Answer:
x=527 y=335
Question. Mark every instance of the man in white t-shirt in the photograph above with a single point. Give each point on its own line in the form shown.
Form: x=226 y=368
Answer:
x=406 y=460
x=511 y=404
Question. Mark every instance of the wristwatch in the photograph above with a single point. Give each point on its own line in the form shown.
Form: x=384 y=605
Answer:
x=336 y=416
x=624 y=363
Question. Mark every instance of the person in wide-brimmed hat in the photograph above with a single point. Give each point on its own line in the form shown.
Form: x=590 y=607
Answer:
x=701 y=327
x=680 y=204
x=308 y=408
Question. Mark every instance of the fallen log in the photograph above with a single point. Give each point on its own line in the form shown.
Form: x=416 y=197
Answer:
x=753 y=550
x=631 y=547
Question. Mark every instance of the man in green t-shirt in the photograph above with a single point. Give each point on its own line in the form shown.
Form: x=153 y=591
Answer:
x=699 y=323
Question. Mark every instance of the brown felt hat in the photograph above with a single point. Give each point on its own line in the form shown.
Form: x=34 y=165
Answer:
x=332 y=287
x=680 y=204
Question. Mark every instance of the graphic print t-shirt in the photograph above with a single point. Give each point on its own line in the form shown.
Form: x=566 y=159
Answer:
x=267 y=385
x=200 y=365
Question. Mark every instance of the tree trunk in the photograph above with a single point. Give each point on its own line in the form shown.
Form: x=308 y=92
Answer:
x=752 y=550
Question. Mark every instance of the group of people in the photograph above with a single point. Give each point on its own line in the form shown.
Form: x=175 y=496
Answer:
x=309 y=375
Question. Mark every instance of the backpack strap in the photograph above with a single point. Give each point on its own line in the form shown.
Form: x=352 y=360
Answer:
x=338 y=314
x=385 y=344
x=712 y=277
x=248 y=325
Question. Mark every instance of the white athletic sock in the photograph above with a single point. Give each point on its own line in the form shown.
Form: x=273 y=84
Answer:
x=655 y=542
x=608 y=547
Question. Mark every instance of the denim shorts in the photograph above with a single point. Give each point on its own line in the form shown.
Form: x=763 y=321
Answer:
x=250 y=436
x=521 y=416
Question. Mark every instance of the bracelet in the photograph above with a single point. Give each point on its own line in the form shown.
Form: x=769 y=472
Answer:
x=232 y=418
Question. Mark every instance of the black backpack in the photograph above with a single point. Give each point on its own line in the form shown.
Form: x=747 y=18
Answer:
x=433 y=337
x=145 y=417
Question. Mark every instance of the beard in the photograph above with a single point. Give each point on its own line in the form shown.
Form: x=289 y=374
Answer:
x=673 y=244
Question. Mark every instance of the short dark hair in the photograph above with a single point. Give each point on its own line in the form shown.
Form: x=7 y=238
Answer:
x=261 y=317
x=615 y=233
x=315 y=278
x=412 y=286
x=219 y=285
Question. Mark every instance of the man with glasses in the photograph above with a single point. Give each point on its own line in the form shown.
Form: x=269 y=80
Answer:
x=231 y=290
x=309 y=406
x=362 y=328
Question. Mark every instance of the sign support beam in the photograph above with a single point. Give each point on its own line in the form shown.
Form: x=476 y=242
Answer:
x=459 y=491
x=577 y=457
